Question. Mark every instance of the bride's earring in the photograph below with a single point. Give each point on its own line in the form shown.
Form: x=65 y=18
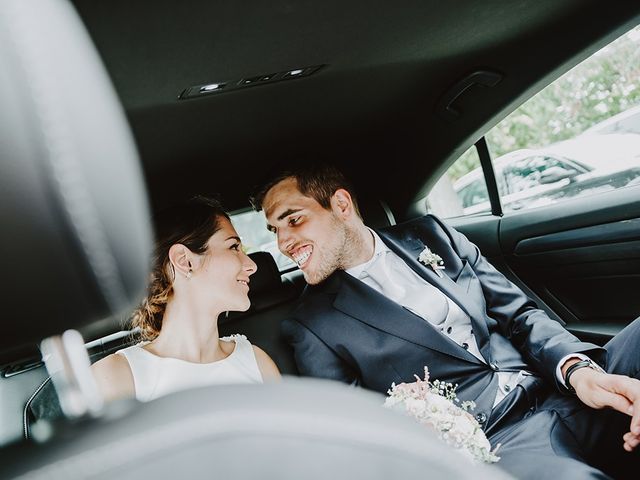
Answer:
x=189 y=273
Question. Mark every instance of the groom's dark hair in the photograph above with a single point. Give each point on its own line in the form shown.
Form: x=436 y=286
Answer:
x=318 y=181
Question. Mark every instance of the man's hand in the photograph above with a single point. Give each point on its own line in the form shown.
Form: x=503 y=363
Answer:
x=601 y=390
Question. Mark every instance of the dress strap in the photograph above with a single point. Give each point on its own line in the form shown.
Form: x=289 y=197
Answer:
x=244 y=356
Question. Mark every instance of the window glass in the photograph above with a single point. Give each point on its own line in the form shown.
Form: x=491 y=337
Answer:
x=252 y=228
x=579 y=136
x=461 y=190
x=473 y=194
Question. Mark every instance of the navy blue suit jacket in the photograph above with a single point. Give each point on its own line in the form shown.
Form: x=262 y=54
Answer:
x=345 y=330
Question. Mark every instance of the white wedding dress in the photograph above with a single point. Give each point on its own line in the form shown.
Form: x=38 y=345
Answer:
x=156 y=376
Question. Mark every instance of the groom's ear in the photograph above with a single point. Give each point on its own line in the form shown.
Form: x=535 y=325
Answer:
x=342 y=204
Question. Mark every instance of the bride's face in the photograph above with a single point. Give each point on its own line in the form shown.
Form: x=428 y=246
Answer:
x=225 y=269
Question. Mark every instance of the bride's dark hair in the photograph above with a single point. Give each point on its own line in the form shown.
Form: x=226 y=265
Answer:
x=191 y=224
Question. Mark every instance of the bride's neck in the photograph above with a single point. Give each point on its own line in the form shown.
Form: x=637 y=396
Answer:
x=188 y=333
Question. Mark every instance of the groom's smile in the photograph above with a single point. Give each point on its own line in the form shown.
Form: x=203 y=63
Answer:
x=301 y=255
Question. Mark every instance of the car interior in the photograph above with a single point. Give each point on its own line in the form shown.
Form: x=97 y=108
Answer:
x=115 y=110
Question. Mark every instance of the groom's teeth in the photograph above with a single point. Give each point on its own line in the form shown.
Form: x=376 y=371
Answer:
x=302 y=258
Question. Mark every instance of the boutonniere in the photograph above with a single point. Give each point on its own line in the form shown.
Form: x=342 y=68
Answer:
x=433 y=260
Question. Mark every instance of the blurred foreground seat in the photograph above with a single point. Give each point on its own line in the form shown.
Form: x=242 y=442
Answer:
x=300 y=429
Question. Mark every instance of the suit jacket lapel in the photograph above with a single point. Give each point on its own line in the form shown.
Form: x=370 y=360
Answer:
x=409 y=249
x=360 y=301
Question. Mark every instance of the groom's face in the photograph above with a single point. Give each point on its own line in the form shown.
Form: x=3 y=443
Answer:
x=314 y=237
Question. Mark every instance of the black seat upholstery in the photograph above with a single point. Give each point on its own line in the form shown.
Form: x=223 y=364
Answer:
x=272 y=299
x=376 y=213
x=268 y=287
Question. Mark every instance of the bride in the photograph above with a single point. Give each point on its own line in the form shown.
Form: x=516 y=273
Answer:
x=199 y=272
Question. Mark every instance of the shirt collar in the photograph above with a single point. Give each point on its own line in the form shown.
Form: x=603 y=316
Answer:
x=379 y=250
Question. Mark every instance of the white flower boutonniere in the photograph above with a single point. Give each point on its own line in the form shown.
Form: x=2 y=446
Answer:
x=433 y=260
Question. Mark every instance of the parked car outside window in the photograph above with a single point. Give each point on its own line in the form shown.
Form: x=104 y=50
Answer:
x=625 y=122
x=529 y=178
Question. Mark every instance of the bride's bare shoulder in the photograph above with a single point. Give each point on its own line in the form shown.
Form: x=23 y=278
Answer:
x=114 y=377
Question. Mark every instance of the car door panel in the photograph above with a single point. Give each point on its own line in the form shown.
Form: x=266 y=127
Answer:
x=483 y=231
x=580 y=257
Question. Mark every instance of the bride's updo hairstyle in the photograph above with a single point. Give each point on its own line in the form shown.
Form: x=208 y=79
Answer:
x=191 y=224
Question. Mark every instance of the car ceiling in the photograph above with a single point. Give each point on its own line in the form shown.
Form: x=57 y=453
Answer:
x=371 y=109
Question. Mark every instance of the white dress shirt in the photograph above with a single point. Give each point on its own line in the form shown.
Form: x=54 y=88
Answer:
x=388 y=274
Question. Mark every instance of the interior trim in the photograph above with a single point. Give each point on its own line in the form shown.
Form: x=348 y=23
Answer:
x=621 y=231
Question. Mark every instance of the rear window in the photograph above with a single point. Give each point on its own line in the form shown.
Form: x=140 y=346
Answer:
x=252 y=228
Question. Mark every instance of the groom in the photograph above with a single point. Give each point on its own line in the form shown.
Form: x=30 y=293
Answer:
x=374 y=314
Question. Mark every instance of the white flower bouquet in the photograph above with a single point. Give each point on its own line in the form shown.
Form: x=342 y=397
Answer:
x=435 y=404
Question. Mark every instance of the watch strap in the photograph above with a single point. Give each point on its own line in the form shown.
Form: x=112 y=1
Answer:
x=577 y=366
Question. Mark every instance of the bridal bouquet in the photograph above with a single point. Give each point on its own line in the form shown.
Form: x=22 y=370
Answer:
x=435 y=404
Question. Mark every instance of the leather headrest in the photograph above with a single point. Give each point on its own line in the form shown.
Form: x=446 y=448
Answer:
x=267 y=277
x=376 y=213
x=76 y=236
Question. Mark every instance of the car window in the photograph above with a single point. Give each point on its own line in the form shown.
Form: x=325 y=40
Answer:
x=473 y=194
x=533 y=171
x=252 y=228
x=459 y=192
x=579 y=136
